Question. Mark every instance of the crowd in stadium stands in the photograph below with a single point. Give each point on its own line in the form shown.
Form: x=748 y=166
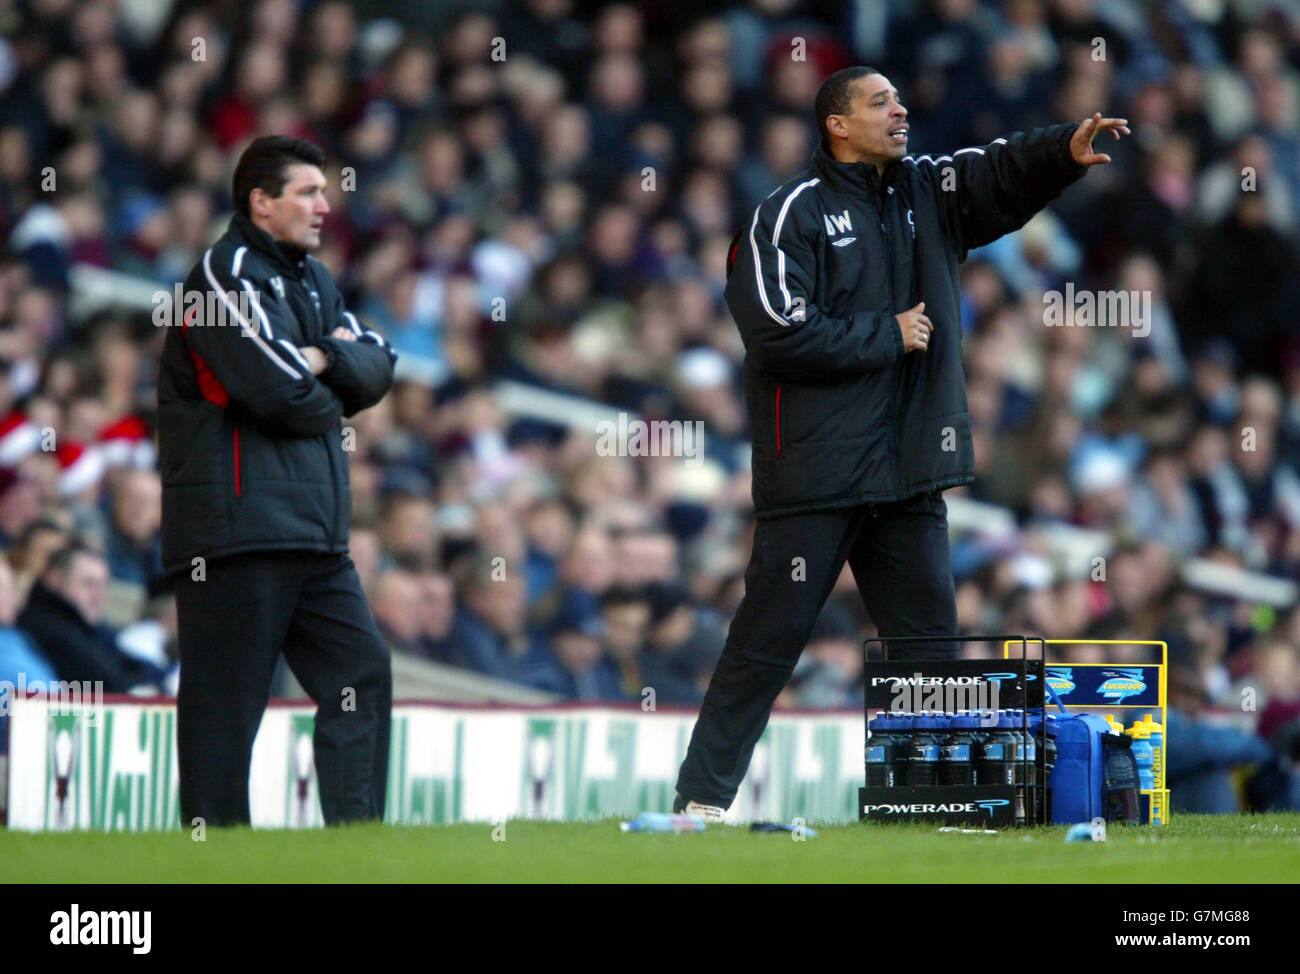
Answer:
x=543 y=192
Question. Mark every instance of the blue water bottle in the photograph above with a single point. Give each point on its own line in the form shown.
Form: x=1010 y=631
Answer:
x=664 y=822
x=881 y=748
x=922 y=751
x=955 y=764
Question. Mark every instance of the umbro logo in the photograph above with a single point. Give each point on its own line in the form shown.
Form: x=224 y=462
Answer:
x=843 y=241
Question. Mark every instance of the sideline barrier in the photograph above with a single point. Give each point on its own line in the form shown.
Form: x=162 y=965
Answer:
x=449 y=763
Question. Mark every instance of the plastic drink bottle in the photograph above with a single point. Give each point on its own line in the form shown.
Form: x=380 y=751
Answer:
x=881 y=748
x=902 y=733
x=923 y=750
x=664 y=822
x=955 y=764
x=994 y=767
x=1143 y=754
x=1157 y=738
x=1026 y=751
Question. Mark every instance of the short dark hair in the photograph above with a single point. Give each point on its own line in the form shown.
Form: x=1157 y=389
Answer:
x=264 y=165
x=835 y=94
x=62 y=559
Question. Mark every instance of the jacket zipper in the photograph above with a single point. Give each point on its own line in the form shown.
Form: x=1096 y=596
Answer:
x=778 y=421
x=889 y=253
x=239 y=489
x=329 y=455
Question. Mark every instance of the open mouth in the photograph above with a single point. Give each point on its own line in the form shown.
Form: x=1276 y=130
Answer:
x=899 y=135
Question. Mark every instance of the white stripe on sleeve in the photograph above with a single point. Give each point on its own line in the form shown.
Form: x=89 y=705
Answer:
x=243 y=322
x=257 y=306
x=364 y=332
x=934 y=162
x=293 y=350
x=780 y=255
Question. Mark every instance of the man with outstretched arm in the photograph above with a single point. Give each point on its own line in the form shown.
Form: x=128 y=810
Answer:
x=846 y=290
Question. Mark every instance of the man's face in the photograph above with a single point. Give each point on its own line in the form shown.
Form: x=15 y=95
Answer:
x=411 y=530
x=85 y=585
x=577 y=653
x=296 y=215
x=875 y=114
x=137 y=508
x=8 y=594
x=625 y=626
x=501 y=603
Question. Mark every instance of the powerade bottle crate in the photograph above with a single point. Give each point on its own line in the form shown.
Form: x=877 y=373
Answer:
x=950 y=768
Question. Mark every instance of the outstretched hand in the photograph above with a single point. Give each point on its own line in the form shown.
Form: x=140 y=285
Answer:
x=1089 y=129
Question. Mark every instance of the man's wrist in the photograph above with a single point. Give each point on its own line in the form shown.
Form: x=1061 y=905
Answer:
x=318 y=359
x=1066 y=142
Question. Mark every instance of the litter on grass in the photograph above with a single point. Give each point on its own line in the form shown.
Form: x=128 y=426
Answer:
x=663 y=822
x=795 y=828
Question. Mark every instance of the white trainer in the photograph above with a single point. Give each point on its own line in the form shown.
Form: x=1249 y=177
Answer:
x=710 y=813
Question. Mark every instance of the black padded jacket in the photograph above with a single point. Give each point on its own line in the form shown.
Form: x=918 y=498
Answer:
x=251 y=445
x=838 y=414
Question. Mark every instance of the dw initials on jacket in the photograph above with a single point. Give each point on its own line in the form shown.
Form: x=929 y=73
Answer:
x=250 y=443
x=838 y=414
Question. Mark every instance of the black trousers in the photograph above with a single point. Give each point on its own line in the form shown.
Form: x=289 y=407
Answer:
x=233 y=626
x=899 y=556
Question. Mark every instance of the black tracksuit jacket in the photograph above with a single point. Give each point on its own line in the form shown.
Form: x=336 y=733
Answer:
x=838 y=414
x=250 y=442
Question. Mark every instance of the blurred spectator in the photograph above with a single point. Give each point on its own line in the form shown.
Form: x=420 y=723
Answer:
x=152 y=639
x=134 y=543
x=490 y=633
x=830 y=673
x=683 y=643
x=20 y=661
x=1203 y=756
x=63 y=615
x=560 y=222
x=574 y=663
x=395 y=603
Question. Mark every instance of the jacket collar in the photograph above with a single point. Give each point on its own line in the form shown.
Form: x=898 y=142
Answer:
x=287 y=257
x=46 y=598
x=855 y=178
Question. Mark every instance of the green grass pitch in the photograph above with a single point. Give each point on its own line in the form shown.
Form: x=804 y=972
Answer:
x=1193 y=848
